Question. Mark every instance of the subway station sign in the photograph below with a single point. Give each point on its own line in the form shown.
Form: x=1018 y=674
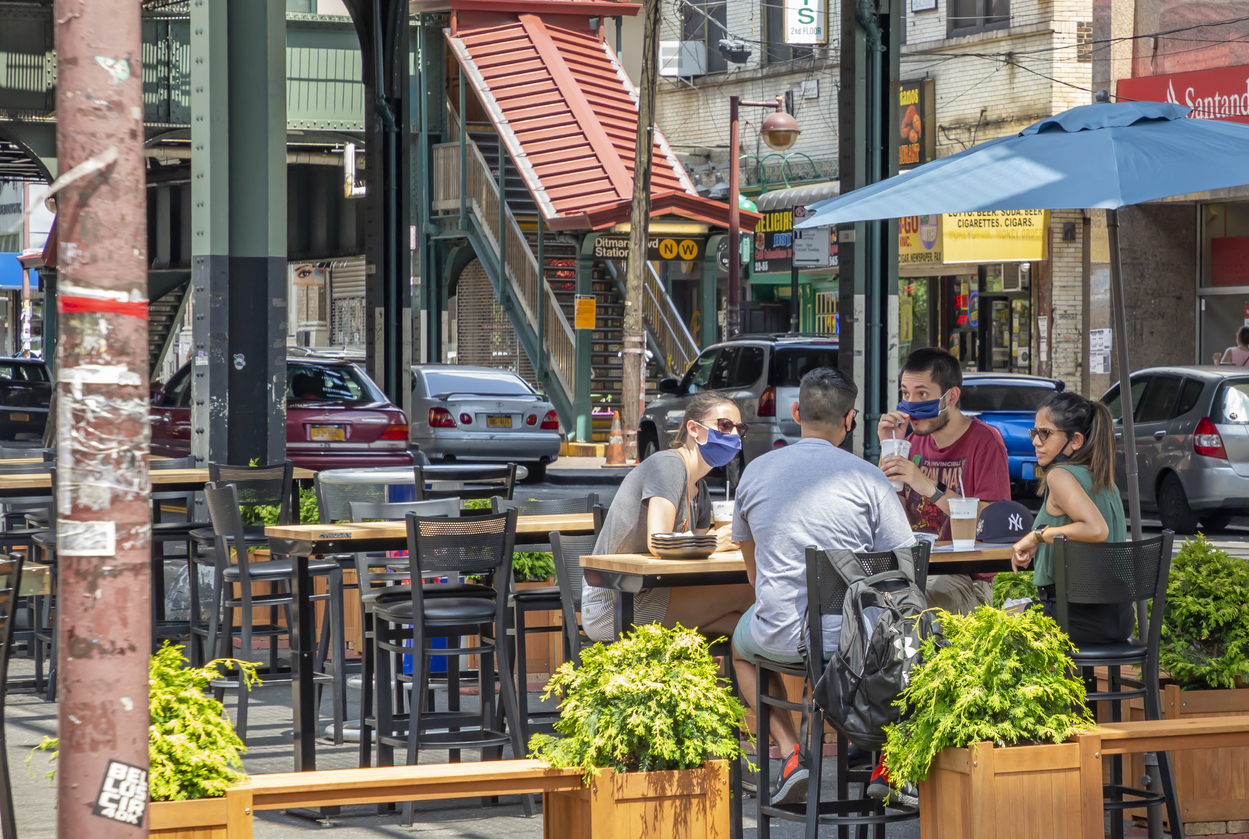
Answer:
x=659 y=248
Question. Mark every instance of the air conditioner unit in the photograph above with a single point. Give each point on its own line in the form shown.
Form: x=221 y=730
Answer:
x=682 y=58
x=1015 y=276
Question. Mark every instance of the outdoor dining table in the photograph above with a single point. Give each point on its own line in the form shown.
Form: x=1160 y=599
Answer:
x=163 y=480
x=299 y=542
x=628 y=574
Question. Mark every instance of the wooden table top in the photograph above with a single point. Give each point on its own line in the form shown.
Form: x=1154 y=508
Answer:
x=730 y=561
x=568 y=523
x=43 y=480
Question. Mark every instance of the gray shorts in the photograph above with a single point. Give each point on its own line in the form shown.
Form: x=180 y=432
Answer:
x=744 y=643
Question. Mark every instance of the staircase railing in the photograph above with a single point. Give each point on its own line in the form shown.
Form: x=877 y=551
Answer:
x=664 y=323
x=514 y=258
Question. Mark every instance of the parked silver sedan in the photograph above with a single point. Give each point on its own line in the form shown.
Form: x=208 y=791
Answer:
x=480 y=413
x=1192 y=443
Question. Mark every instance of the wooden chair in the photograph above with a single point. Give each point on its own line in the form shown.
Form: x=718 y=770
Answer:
x=1121 y=573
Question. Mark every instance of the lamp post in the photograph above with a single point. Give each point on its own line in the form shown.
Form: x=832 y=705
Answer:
x=780 y=131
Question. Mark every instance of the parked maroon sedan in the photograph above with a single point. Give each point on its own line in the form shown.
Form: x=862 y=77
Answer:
x=336 y=417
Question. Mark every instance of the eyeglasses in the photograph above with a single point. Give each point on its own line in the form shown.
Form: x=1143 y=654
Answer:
x=1042 y=434
x=727 y=426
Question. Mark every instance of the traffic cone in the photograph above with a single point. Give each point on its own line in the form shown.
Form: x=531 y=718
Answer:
x=615 y=443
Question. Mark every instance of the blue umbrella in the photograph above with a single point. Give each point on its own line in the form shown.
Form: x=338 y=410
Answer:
x=1102 y=156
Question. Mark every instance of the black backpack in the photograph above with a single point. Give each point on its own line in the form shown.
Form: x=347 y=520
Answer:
x=884 y=623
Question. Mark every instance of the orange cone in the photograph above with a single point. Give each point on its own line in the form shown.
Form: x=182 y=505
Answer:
x=615 y=443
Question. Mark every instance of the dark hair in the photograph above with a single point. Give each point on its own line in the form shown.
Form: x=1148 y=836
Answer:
x=1242 y=335
x=1071 y=412
x=825 y=396
x=937 y=363
x=699 y=408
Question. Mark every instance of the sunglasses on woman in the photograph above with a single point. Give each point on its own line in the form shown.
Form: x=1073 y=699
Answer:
x=1041 y=434
x=727 y=426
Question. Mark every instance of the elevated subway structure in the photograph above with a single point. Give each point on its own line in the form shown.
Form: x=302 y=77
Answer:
x=229 y=210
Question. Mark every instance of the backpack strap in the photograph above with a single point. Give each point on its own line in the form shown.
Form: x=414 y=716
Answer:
x=851 y=570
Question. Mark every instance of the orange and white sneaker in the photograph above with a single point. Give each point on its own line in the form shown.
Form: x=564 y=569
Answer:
x=791 y=786
x=880 y=788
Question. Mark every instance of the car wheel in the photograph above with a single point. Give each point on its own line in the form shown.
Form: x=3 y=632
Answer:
x=1173 y=507
x=537 y=472
x=733 y=472
x=649 y=446
x=1215 y=522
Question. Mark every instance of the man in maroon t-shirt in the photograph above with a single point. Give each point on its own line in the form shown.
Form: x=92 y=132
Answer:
x=946 y=447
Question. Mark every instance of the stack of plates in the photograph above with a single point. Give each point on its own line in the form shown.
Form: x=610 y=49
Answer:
x=684 y=545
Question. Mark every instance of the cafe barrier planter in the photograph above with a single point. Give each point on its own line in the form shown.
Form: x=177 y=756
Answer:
x=203 y=818
x=1019 y=792
x=1212 y=784
x=686 y=804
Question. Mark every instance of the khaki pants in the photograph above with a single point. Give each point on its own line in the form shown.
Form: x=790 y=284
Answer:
x=959 y=593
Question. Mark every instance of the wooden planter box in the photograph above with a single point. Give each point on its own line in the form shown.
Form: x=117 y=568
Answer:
x=1212 y=784
x=693 y=804
x=1022 y=792
x=204 y=818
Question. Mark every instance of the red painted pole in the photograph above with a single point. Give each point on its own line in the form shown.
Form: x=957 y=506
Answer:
x=103 y=507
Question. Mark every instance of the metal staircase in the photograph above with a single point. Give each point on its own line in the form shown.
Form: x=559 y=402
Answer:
x=550 y=289
x=164 y=316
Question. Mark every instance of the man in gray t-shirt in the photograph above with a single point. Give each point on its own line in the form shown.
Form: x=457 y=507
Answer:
x=810 y=493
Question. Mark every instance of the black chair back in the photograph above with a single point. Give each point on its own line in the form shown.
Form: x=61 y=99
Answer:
x=547 y=507
x=334 y=499
x=10 y=585
x=375 y=570
x=478 y=482
x=157 y=464
x=227 y=523
x=568 y=551
x=826 y=591
x=478 y=545
x=259 y=486
x=1113 y=573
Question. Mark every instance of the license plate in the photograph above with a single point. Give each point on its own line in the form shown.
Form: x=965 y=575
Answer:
x=19 y=417
x=327 y=434
x=498 y=422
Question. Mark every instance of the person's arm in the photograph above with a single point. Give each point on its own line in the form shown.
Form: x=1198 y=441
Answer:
x=748 y=554
x=661 y=517
x=1087 y=522
x=905 y=471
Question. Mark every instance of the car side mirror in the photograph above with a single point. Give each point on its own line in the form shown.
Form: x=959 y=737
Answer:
x=669 y=385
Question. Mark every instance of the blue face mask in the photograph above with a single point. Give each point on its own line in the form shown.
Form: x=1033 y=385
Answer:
x=926 y=410
x=720 y=448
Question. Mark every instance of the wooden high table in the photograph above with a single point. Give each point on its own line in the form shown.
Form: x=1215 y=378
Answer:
x=628 y=574
x=163 y=480
x=302 y=541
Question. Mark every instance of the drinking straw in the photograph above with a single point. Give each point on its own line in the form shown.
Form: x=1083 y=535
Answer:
x=960 y=485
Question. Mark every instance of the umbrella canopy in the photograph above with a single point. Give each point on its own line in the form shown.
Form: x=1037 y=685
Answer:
x=1102 y=156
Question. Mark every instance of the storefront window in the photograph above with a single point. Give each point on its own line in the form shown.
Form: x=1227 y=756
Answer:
x=1224 y=286
x=826 y=312
x=913 y=313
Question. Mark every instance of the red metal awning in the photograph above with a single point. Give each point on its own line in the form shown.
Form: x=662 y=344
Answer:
x=567 y=114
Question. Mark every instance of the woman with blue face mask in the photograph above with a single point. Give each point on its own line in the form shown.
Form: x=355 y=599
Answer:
x=667 y=493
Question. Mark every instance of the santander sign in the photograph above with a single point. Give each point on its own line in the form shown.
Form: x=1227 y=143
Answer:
x=1212 y=94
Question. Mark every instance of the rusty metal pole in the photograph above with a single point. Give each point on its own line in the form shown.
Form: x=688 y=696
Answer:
x=633 y=369
x=103 y=511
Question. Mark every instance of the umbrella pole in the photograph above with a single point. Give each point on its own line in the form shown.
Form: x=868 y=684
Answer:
x=1125 y=371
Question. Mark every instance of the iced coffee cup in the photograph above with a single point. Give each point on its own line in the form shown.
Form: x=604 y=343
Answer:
x=722 y=512
x=963 y=517
x=891 y=447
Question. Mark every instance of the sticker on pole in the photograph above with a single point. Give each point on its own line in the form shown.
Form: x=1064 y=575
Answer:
x=123 y=795
x=584 y=314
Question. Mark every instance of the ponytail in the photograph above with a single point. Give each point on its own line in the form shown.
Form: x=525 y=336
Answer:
x=1073 y=413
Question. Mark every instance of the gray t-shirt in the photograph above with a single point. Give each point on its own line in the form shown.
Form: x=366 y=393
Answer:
x=624 y=530
x=810 y=493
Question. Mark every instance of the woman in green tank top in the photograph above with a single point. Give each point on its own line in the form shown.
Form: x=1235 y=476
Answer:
x=1075 y=445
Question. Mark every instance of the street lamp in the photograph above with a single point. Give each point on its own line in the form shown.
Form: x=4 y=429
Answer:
x=780 y=131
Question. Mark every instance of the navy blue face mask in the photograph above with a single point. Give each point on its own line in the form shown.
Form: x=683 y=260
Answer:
x=926 y=410
x=720 y=448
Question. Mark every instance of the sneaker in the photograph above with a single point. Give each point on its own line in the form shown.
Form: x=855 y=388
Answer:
x=881 y=789
x=791 y=786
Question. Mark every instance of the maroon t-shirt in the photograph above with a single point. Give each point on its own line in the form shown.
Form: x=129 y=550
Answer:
x=978 y=457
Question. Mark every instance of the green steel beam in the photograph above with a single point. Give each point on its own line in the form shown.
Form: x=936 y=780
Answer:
x=582 y=406
x=707 y=294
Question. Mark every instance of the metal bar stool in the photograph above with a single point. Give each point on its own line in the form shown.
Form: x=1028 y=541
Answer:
x=10 y=585
x=476 y=482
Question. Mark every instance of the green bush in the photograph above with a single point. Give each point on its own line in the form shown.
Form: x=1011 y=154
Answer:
x=1013 y=587
x=268 y=514
x=1205 y=634
x=532 y=565
x=995 y=676
x=193 y=749
x=649 y=702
